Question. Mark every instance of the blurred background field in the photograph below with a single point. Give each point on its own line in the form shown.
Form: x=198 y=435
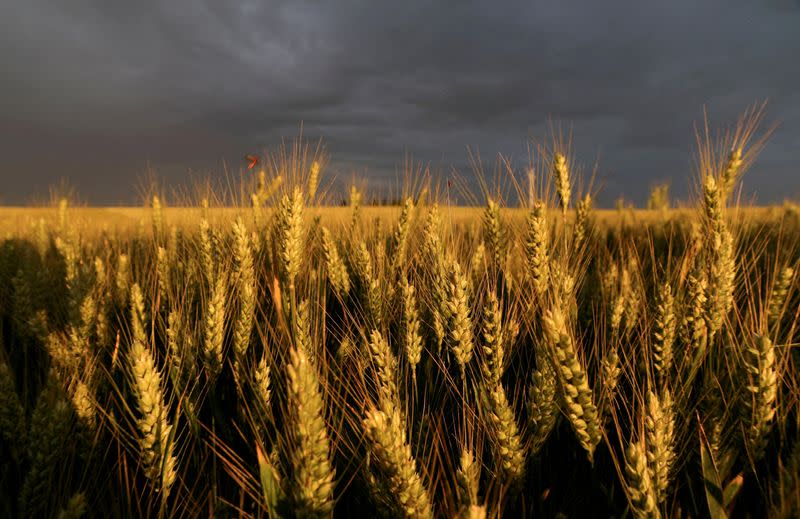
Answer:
x=128 y=219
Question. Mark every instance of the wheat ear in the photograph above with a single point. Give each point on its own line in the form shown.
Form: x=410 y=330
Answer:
x=310 y=457
x=760 y=364
x=468 y=480
x=493 y=233
x=610 y=372
x=12 y=414
x=722 y=263
x=731 y=172
x=355 y=206
x=435 y=256
x=291 y=231
x=158 y=219
x=493 y=340
x=51 y=423
x=246 y=283
x=582 y=214
x=507 y=443
x=155 y=432
x=207 y=251
x=163 y=270
x=214 y=321
x=561 y=175
x=576 y=393
x=75 y=508
x=660 y=436
x=313 y=180
x=401 y=237
x=542 y=406
x=122 y=279
x=337 y=270
x=536 y=248
x=385 y=365
x=640 y=487
x=412 y=340
x=664 y=333
x=777 y=299
x=391 y=452
x=460 y=325
x=694 y=319
x=370 y=289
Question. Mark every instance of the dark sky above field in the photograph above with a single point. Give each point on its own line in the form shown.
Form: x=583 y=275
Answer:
x=95 y=91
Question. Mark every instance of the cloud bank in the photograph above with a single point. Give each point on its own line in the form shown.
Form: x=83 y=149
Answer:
x=97 y=92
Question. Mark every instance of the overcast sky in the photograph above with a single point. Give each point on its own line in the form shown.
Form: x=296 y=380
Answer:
x=94 y=91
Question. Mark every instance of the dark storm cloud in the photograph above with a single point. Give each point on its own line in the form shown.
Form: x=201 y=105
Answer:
x=95 y=91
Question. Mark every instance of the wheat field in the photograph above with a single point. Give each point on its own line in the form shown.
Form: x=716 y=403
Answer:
x=284 y=358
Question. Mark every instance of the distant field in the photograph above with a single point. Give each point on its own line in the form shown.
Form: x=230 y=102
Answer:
x=125 y=219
